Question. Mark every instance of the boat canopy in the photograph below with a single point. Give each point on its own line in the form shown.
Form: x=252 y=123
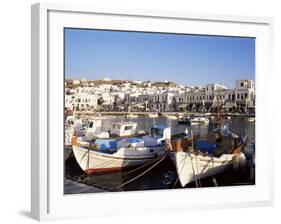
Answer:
x=106 y=144
x=205 y=146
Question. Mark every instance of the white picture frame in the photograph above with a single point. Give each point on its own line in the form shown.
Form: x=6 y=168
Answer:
x=48 y=200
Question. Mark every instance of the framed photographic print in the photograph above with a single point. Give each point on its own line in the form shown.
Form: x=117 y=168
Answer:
x=166 y=109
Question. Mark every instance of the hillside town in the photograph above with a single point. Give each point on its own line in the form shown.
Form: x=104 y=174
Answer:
x=166 y=96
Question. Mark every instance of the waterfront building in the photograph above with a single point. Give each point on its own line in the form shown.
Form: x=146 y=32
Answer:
x=81 y=101
x=242 y=97
x=245 y=94
x=160 y=97
x=108 y=98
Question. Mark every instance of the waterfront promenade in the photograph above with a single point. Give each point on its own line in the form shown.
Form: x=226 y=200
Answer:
x=146 y=113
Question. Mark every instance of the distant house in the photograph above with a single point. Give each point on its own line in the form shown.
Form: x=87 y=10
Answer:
x=76 y=82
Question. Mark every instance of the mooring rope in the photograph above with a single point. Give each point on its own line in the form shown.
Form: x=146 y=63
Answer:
x=194 y=174
x=121 y=185
x=140 y=167
x=199 y=180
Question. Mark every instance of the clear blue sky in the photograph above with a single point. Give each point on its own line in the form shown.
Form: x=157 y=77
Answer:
x=184 y=59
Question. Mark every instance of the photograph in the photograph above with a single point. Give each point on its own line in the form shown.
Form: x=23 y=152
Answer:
x=157 y=111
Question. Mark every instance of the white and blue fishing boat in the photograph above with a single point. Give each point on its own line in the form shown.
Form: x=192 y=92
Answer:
x=113 y=154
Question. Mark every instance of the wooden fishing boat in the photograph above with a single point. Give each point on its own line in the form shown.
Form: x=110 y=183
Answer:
x=185 y=119
x=198 y=119
x=205 y=159
x=107 y=155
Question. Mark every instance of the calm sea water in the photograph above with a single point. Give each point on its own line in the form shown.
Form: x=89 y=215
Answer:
x=163 y=176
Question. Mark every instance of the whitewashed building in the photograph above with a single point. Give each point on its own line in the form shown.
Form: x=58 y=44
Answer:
x=108 y=99
x=214 y=95
x=81 y=101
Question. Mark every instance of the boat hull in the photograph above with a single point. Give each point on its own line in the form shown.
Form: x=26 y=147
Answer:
x=92 y=161
x=199 y=122
x=191 y=167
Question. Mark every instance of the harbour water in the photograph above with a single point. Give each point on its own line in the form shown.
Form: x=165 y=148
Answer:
x=163 y=176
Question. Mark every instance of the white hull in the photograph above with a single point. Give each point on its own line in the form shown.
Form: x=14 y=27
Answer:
x=132 y=115
x=172 y=117
x=191 y=167
x=195 y=121
x=152 y=115
x=92 y=161
x=251 y=119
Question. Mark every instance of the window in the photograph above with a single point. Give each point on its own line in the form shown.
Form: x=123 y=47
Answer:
x=155 y=132
x=242 y=84
x=91 y=124
x=238 y=96
x=127 y=128
x=246 y=95
x=116 y=126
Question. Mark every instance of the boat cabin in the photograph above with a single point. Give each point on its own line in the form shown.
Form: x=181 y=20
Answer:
x=91 y=129
x=158 y=135
x=91 y=125
x=123 y=129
